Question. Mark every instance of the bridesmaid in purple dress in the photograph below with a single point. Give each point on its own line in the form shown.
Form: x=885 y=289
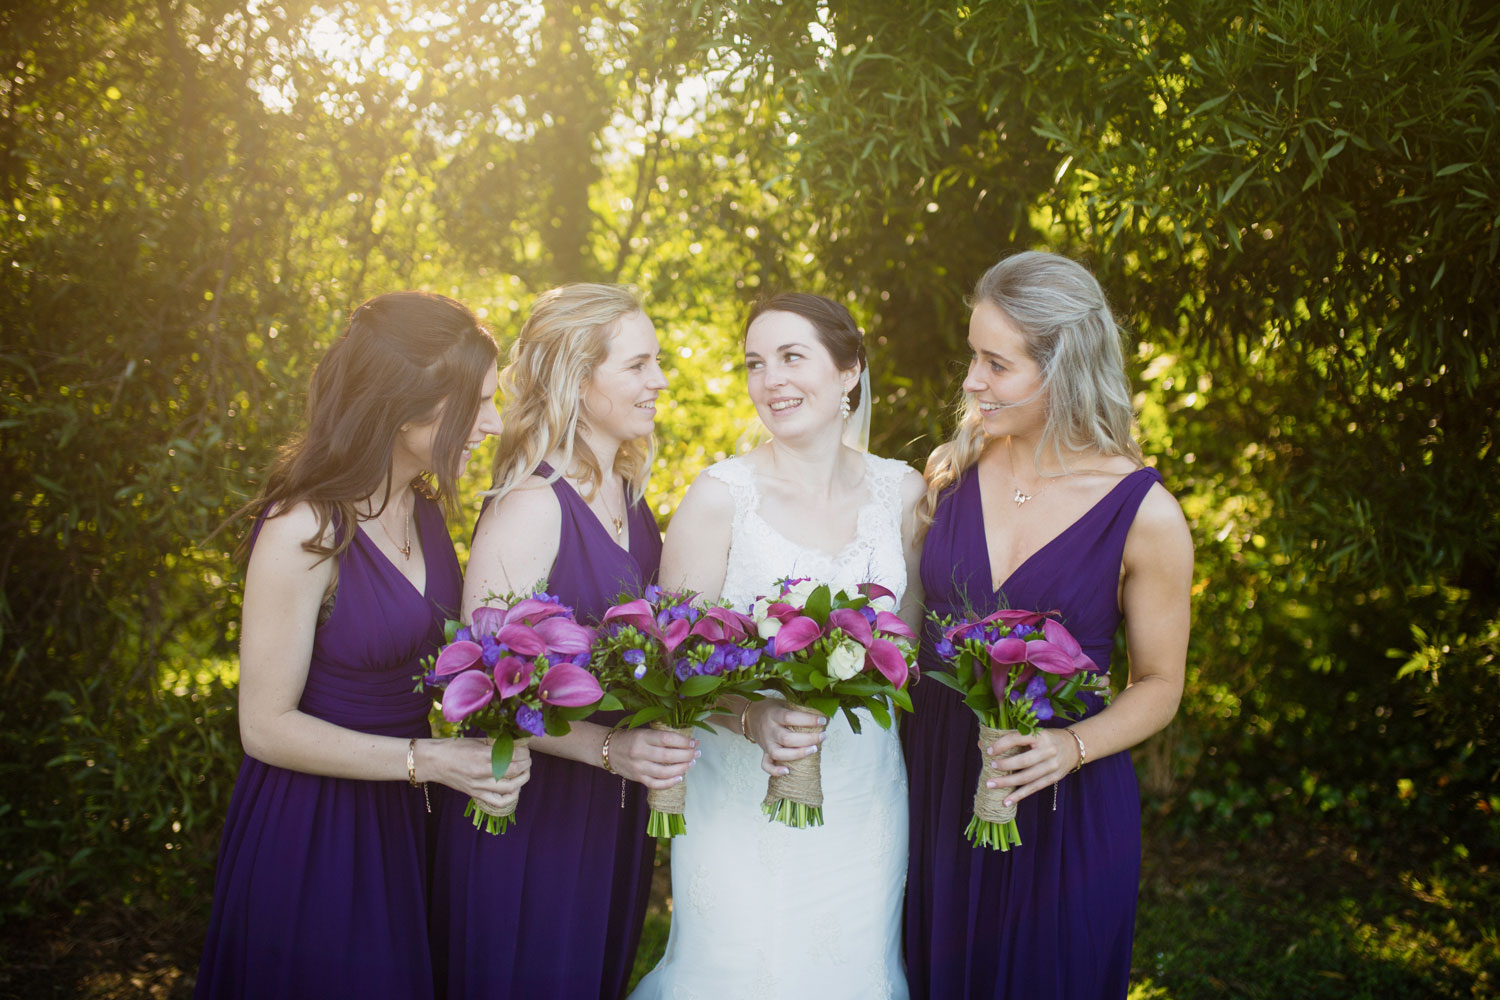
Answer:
x=1040 y=501
x=554 y=906
x=321 y=888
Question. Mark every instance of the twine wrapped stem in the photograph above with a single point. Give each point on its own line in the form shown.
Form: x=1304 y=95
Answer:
x=668 y=804
x=496 y=822
x=796 y=798
x=994 y=823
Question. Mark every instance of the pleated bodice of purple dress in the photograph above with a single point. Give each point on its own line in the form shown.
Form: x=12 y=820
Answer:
x=554 y=906
x=1055 y=917
x=321 y=887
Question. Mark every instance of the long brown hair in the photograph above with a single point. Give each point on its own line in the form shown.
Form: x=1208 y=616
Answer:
x=404 y=355
x=836 y=329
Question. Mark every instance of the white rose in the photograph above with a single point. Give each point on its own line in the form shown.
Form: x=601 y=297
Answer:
x=800 y=592
x=846 y=660
x=883 y=603
x=768 y=627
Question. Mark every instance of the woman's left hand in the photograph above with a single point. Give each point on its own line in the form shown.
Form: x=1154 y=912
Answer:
x=1046 y=756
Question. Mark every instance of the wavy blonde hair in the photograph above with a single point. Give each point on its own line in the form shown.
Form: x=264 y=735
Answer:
x=564 y=339
x=1070 y=333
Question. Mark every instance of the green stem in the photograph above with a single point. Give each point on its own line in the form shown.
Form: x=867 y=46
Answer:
x=796 y=815
x=995 y=836
x=495 y=825
x=669 y=825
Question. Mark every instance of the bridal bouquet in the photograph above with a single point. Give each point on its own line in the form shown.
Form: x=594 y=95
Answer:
x=670 y=661
x=1015 y=669
x=518 y=670
x=830 y=652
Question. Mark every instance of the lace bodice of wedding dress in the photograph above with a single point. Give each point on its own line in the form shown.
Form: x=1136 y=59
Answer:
x=761 y=910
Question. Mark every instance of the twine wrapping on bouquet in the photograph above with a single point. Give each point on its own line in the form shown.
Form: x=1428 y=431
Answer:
x=671 y=801
x=497 y=821
x=989 y=803
x=801 y=787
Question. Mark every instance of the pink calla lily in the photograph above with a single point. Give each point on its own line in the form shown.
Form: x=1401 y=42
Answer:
x=487 y=620
x=1009 y=616
x=466 y=694
x=874 y=590
x=1009 y=651
x=637 y=612
x=1055 y=633
x=892 y=624
x=853 y=624
x=513 y=674
x=522 y=639
x=1048 y=656
x=736 y=625
x=886 y=656
x=783 y=612
x=565 y=638
x=798 y=633
x=674 y=633
x=569 y=686
x=530 y=611
x=455 y=657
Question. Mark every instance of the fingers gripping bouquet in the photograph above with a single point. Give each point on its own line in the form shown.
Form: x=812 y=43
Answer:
x=518 y=670
x=670 y=661
x=831 y=652
x=1016 y=669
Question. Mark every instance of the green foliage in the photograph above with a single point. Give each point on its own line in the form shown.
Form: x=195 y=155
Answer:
x=1292 y=206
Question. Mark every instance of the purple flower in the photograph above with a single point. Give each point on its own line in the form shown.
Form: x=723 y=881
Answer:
x=492 y=651
x=748 y=657
x=1022 y=631
x=1036 y=687
x=944 y=649
x=639 y=671
x=530 y=719
x=463 y=635
x=1043 y=709
x=653 y=593
x=869 y=613
x=636 y=656
x=683 y=669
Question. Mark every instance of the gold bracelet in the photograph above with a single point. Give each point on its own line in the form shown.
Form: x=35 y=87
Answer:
x=604 y=751
x=1082 y=753
x=744 y=719
x=411 y=762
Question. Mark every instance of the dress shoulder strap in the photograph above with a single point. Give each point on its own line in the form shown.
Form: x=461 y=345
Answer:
x=739 y=476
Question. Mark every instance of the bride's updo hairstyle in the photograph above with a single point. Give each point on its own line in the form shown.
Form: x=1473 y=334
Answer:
x=565 y=337
x=1058 y=306
x=837 y=331
x=403 y=355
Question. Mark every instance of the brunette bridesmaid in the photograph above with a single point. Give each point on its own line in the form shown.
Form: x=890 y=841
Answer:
x=1041 y=501
x=554 y=906
x=321 y=888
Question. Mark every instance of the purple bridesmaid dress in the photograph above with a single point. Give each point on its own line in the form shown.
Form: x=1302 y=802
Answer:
x=554 y=906
x=1055 y=917
x=321 y=888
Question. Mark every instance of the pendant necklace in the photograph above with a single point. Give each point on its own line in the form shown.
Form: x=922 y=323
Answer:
x=1022 y=498
x=405 y=550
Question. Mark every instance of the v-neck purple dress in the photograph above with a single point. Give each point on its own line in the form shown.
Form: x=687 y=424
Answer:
x=1055 y=917
x=553 y=907
x=321 y=888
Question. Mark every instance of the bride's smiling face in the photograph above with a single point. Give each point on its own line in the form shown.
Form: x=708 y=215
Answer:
x=793 y=380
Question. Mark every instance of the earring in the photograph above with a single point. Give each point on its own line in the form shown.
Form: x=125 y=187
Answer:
x=844 y=406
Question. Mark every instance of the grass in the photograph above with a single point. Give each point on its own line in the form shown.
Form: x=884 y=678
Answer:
x=1308 y=914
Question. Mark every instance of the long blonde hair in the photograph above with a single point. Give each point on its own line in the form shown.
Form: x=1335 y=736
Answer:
x=563 y=341
x=1059 y=308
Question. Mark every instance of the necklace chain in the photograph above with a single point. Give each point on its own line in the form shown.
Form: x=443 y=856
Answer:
x=405 y=550
x=1022 y=498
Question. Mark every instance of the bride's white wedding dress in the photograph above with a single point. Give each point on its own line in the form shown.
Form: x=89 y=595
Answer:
x=760 y=909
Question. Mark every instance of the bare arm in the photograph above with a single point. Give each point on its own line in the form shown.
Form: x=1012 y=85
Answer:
x=283 y=589
x=515 y=545
x=913 y=487
x=1158 y=568
x=696 y=552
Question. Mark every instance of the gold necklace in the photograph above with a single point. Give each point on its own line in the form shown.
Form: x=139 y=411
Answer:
x=1021 y=498
x=405 y=550
x=618 y=522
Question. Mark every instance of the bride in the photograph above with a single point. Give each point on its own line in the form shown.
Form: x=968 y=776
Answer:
x=761 y=909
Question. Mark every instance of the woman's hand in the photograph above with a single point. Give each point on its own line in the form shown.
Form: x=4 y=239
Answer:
x=656 y=758
x=769 y=723
x=464 y=766
x=1045 y=756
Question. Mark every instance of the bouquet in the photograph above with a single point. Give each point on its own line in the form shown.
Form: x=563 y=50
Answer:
x=517 y=671
x=823 y=646
x=670 y=661
x=1015 y=669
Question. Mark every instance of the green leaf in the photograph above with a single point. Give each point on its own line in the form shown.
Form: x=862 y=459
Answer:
x=648 y=715
x=500 y=754
x=819 y=603
x=695 y=687
x=1451 y=168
